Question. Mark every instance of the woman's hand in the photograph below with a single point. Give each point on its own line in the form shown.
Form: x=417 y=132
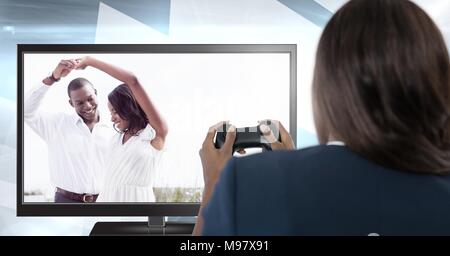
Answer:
x=213 y=162
x=64 y=68
x=82 y=63
x=286 y=141
x=213 y=159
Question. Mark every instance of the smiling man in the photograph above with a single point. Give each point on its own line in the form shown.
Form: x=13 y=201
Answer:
x=76 y=142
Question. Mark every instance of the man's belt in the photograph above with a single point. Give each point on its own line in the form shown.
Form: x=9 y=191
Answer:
x=84 y=198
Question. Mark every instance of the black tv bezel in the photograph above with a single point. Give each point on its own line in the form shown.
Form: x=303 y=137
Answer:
x=132 y=209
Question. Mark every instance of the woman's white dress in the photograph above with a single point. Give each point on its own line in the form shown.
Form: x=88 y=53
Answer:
x=130 y=169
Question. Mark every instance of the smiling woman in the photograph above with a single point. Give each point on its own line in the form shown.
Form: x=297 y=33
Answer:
x=126 y=114
x=136 y=148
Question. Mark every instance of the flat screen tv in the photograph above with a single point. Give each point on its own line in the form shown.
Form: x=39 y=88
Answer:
x=193 y=86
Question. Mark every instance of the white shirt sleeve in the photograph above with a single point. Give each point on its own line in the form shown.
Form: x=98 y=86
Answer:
x=41 y=123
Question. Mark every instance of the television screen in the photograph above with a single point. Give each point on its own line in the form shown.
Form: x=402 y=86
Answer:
x=190 y=91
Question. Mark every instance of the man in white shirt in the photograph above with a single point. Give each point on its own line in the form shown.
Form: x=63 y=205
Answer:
x=76 y=142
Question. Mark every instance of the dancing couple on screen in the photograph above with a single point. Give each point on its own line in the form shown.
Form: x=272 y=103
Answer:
x=89 y=161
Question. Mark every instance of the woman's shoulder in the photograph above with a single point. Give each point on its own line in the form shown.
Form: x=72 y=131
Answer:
x=147 y=134
x=304 y=155
x=321 y=159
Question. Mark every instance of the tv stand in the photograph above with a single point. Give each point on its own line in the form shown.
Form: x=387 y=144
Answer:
x=156 y=226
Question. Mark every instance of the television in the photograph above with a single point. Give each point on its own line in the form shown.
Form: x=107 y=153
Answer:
x=193 y=86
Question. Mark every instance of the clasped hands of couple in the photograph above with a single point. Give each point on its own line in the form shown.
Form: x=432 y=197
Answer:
x=66 y=66
x=214 y=159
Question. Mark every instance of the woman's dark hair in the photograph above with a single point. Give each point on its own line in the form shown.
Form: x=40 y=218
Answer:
x=126 y=106
x=382 y=85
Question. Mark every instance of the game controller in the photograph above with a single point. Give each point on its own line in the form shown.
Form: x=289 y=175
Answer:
x=248 y=137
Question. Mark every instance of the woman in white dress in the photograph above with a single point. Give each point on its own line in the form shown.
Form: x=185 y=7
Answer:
x=136 y=147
